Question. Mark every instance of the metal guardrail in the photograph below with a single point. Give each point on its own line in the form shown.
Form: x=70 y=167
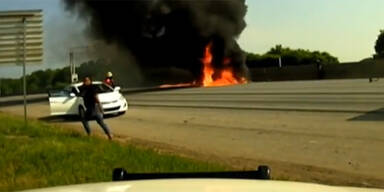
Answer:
x=36 y=98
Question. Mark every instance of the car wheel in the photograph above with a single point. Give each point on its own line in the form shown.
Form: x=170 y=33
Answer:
x=81 y=112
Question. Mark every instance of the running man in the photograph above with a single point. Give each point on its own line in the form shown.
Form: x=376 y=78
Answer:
x=94 y=110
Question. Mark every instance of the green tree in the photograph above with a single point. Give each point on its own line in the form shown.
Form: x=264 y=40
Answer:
x=43 y=80
x=61 y=78
x=379 y=46
x=289 y=57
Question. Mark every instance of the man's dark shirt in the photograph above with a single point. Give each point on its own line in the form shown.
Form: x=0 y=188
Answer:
x=89 y=94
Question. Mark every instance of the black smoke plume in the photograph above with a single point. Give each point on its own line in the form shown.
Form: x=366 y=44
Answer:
x=168 y=33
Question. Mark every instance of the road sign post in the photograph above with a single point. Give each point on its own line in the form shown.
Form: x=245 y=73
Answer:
x=21 y=42
x=1 y=86
x=24 y=68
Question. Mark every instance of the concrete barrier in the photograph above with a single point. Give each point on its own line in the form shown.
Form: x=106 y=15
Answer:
x=357 y=70
x=35 y=98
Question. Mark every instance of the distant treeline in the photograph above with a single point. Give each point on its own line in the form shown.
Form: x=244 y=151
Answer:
x=38 y=81
x=289 y=57
x=43 y=80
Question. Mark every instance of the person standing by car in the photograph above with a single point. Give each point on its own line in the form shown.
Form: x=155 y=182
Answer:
x=94 y=110
x=109 y=80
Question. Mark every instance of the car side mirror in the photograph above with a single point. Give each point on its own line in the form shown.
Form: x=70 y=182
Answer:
x=72 y=95
x=117 y=89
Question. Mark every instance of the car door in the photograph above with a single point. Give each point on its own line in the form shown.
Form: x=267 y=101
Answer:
x=63 y=102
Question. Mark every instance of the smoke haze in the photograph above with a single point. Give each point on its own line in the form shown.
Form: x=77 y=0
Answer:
x=168 y=34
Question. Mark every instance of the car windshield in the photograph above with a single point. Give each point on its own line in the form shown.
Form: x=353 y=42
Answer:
x=280 y=90
x=102 y=88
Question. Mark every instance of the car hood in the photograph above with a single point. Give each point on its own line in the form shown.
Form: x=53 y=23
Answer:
x=107 y=97
x=204 y=185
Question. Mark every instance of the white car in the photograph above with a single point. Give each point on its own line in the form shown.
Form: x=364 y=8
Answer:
x=68 y=101
x=203 y=185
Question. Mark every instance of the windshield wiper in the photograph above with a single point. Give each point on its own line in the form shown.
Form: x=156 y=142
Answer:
x=262 y=173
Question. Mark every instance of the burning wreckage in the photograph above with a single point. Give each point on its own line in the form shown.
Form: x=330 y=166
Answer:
x=196 y=36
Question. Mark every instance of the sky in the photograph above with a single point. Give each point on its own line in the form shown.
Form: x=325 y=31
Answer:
x=346 y=29
x=61 y=32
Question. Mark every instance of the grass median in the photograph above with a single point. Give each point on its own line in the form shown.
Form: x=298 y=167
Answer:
x=43 y=155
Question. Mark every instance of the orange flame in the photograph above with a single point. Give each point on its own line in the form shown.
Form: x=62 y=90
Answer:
x=226 y=76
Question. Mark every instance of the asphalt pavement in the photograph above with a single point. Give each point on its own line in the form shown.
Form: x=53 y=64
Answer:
x=327 y=96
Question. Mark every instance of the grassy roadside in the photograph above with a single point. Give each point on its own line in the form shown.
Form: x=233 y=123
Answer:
x=43 y=155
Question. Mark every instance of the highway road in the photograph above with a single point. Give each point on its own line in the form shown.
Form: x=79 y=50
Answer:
x=328 y=96
x=320 y=131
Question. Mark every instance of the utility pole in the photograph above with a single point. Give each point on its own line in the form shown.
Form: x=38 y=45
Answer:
x=72 y=64
x=0 y=85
